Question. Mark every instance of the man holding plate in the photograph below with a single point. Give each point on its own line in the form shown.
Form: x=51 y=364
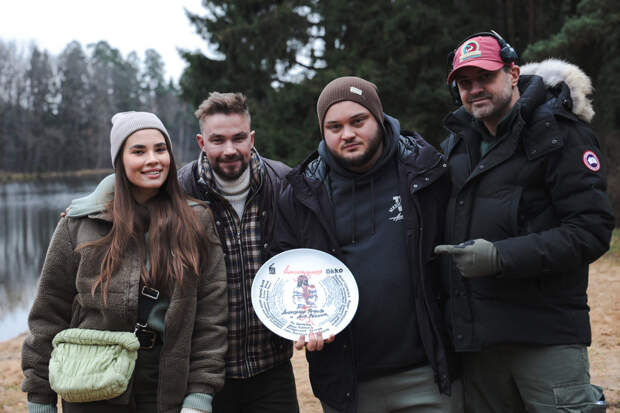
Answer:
x=372 y=196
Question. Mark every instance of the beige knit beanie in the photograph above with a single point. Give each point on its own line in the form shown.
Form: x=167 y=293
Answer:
x=126 y=123
x=350 y=88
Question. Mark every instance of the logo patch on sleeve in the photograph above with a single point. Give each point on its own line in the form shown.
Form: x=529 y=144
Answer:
x=590 y=160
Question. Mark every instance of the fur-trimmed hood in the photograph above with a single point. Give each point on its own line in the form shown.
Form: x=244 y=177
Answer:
x=554 y=71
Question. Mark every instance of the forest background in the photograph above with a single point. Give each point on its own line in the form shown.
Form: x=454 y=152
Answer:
x=55 y=110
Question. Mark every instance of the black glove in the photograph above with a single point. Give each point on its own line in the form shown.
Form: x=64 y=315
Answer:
x=473 y=258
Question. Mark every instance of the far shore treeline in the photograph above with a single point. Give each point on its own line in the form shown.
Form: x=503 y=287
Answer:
x=55 y=110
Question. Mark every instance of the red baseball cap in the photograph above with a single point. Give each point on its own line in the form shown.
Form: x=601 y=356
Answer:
x=479 y=51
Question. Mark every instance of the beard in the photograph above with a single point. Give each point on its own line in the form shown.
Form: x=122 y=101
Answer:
x=499 y=104
x=230 y=174
x=362 y=159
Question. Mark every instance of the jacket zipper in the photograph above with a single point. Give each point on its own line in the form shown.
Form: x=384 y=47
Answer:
x=335 y=250
x=421 y=272
x=422 y=281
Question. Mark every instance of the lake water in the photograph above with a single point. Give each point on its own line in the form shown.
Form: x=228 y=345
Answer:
x=29 y=212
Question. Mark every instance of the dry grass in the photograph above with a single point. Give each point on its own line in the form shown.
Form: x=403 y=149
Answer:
x=604 y=353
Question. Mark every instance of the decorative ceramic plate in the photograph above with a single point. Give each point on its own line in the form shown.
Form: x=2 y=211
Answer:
x=304 y=290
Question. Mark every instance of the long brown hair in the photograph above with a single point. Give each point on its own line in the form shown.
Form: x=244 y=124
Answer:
x=176 y=238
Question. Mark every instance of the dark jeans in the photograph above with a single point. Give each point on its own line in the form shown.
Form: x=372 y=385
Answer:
x=272 y=391
x=529 y=378
x=146 y=380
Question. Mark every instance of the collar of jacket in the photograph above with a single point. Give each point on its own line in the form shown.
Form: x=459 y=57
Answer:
x=424 y=165
x=533 y=93
x=206 y=181
x=538 y=107
x=412 y=149
x=102 y=215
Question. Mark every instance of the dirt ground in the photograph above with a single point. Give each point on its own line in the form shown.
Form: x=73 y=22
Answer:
x=604 y=299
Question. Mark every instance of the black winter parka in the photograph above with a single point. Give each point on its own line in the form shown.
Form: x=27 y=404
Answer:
x=306 y=221
x=539 y=196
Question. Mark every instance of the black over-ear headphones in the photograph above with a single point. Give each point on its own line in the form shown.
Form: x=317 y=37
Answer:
x=507 y=53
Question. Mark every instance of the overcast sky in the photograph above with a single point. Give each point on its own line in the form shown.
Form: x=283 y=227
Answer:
x=128 y=25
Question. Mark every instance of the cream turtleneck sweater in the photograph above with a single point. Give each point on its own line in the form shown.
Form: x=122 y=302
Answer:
x=236 y=191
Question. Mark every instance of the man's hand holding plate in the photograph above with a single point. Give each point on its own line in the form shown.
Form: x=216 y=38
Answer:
x=315 y=342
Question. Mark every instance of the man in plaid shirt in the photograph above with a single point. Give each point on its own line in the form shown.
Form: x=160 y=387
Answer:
x=241 y=188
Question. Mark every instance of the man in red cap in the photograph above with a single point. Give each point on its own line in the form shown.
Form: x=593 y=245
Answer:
x=478 y=62
x=527 y=213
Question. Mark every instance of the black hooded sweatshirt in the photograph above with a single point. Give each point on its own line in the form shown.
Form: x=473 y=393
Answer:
x=408 y=308
x=371 y=233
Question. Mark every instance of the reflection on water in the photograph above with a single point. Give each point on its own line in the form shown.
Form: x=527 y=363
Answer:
x=29 y=212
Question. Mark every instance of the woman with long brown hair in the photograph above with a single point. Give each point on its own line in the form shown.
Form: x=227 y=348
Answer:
x=150 y=267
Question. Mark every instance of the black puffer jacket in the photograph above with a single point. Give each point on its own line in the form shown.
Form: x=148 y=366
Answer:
x=306 y=221
x=539 y=195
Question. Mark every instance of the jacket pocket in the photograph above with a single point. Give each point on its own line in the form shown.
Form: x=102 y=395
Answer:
x=494 y=215
x=579 y=398
x=516 y=220
x=173 y=379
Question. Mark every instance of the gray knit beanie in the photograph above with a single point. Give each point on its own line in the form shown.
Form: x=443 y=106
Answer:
x=350 y=88
x=126 y=123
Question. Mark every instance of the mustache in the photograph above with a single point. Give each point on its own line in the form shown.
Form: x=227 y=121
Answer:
x=478 y=96
x=230 y=158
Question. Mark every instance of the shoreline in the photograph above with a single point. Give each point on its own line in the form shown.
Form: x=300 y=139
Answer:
x=12 y=177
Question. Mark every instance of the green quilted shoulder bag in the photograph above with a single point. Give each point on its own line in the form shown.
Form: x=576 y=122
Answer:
x=90 y=365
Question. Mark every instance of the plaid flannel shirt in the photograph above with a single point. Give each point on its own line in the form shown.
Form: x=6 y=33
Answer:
x=252 y=348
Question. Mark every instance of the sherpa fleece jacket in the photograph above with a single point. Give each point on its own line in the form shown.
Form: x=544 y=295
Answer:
x=192 y=356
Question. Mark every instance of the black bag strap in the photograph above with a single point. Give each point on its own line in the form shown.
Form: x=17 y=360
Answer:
x=147 y=298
